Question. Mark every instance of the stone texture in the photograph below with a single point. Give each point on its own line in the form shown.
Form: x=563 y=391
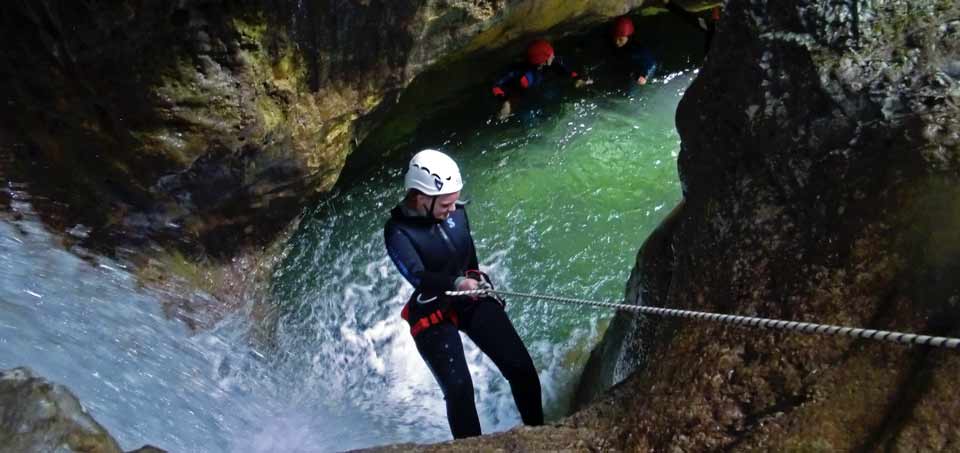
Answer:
x=36 y=415
x=210 y=123
x=521 y=439
x=820 y=161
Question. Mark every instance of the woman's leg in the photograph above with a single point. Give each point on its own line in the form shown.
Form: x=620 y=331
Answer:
x=441 y=348
x=493 y=333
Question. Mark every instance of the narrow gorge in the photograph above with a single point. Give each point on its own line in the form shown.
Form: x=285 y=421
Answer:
x=191 y=248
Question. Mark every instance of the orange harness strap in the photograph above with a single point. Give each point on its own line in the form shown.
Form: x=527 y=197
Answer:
x=425 y=322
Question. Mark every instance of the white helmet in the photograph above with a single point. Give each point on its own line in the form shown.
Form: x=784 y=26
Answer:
x=433 y=173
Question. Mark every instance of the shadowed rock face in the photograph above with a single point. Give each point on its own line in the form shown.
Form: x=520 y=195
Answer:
x=820 y=162
x=210 y=123
x=149 y=119
x=39 y=416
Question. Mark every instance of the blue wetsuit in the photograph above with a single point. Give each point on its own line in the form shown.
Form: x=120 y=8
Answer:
x=431 y=255
x=521 y=77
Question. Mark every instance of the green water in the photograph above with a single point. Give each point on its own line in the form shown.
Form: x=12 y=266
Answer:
x=560 y=202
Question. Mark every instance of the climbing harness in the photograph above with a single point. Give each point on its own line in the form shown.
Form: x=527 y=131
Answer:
x=435 y=317
x=444 y=313
x=746 y=321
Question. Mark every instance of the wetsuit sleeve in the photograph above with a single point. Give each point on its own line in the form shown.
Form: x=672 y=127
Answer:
x=645 y=62
x=561 y=68
x=407 y=261
x=501 y=88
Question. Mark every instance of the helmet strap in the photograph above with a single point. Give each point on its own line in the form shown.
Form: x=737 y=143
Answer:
x=433 y=202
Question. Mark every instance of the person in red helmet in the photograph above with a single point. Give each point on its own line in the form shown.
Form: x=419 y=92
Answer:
x=622 y=31
x=629 y=56
x=521 y=78
x=540 y=52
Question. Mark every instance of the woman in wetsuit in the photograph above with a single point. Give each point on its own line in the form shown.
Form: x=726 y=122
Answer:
x=428 y=238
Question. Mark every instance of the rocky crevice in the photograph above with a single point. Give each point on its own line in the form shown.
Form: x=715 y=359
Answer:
x=207 y=124
x=820 y=162
x=809 y=199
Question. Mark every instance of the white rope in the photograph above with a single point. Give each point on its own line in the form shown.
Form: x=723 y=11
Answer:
x=745 y=321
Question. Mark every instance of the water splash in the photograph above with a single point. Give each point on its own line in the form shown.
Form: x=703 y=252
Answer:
x=558 y=209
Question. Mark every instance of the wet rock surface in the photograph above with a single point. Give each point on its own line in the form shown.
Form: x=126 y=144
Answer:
x=820 y=163
x=39 y=416
x=820 y=183
x=208 y=124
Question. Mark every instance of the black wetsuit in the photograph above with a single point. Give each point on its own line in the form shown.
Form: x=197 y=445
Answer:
x=520 y=78
x=431 y=255
x=634 y=60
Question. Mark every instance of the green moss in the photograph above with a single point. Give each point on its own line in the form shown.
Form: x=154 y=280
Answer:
x=277 y=66
x=251 y=29
x=270 y=113
x=174 y=265
x=389 y=136
x=697 y=6
x=338 y=131
x=289 y=66
x=178 y=83
x=199 y=111
x=371 y=101
x=653 y=11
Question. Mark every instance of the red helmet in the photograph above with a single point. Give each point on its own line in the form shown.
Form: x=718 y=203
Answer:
x=622 y=27
x=539 y=52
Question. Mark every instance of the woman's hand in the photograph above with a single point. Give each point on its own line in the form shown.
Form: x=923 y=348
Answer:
x=469 y=284
x=504 y=111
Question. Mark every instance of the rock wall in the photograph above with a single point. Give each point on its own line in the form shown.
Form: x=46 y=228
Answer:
x=210 y=123
x=820 y=164
x=39 y=416
x=820 y=161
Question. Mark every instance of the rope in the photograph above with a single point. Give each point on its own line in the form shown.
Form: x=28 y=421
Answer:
x=745 y=321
